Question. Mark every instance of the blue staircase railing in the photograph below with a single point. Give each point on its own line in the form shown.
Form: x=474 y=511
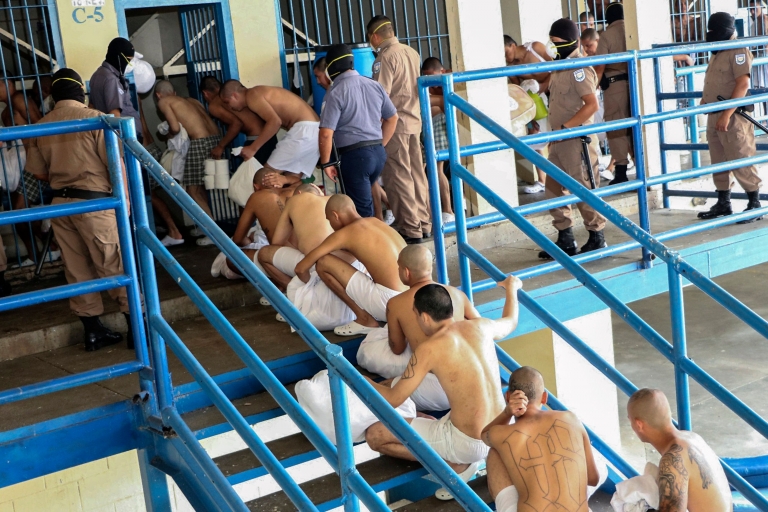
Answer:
x=640 y=236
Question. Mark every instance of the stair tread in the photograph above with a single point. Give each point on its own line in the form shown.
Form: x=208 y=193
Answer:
x=247 y=406
x=244 y=460
x=479 y=485
x=328 y=487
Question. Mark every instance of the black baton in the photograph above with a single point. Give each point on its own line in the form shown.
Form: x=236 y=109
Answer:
x=335 y=162
x=742 y=111
x=585 y=142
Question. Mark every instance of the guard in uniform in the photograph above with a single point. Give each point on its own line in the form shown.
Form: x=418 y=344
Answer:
x=75 y=164
x=572 y=103
x=730 y=137
x=396 y=68
x=109 y=87
x=614 y=81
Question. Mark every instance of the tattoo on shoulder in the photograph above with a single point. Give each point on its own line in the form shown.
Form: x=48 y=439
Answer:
x=695 y=456
x=410 y=370
x=673 y=481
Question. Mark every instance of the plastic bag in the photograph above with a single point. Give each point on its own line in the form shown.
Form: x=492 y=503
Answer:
x=314 y=397
x=241 y=183
x=541 y=108
x=375 y=355
x=525 y=111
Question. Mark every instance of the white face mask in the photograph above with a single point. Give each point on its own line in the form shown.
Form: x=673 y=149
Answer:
x=551 y=49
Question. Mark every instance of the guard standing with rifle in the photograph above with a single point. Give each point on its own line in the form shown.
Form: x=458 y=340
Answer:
x=730 y=137
x=572 y=104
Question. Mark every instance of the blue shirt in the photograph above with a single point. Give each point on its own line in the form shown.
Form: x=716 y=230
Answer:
x=354 y=108
x=107 y=93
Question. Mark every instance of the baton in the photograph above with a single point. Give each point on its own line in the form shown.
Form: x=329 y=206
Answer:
x=335 y=163
x=742 y=111
x=585 y=141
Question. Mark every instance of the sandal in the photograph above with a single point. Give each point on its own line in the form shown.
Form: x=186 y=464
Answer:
x=352 y=329
x=444 y=495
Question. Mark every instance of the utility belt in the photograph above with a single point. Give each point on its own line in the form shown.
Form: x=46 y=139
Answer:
x=358 y=145
x=606 y=81
x=76 y=193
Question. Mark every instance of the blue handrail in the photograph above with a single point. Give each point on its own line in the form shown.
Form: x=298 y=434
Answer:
x=640 y=237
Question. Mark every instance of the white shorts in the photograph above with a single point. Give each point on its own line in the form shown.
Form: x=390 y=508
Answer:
x=450 y=443
x=429 y=396
x=506 y=500
x=286 y=259
x=370 y=296
x=299 y=150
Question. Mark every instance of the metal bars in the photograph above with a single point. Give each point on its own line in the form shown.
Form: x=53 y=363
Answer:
x=677 y=267
x=419 y=23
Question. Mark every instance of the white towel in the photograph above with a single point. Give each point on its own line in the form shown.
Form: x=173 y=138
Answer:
x=639 y=493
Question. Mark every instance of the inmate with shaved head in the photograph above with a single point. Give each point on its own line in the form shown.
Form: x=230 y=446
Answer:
x=541 y=462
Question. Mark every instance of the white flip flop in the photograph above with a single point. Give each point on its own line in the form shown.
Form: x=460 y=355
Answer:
x=264 y=301
x=218 y=264
x=280 y=318
x=352 y=329
x=167 y=241
x=202 y=242
x=444 y=495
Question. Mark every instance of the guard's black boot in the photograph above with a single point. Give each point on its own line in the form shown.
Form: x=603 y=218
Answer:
x=753 y=204
x=129 y=334
x=721 y=208
x=566 y=242
x=620 y=175
x=96 y=335
x=596 y=241
x=5 y=286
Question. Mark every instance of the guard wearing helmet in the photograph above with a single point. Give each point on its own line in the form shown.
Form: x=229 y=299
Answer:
x=354 y=109
x=730 y=137
x=572 y=103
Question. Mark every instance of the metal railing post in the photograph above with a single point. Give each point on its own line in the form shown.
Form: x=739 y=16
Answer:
x=677 y=317
x=164 y=387
x=438 y=228
x=639 y=155
x=662 y=130
x=122 y=216
x=343 y=431
x=457 y=185
x=693 y=125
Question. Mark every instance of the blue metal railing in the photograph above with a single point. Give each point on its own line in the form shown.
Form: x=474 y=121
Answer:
x=678 y=268
x=342 y=372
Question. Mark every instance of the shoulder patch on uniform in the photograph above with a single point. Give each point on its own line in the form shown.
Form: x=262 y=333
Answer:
x=741 y=58
x=376 y=67
x=579 y=75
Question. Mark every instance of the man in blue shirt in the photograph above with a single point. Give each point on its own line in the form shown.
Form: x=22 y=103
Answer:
x=109 y=87
x=361 y=118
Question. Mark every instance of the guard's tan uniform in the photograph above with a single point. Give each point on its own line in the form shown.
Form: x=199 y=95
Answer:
x=739 y=141
x=89 y=242
x=397 y=69
x=566 y=90
x=616 y=97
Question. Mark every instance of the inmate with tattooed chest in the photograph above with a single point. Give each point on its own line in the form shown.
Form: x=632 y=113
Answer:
x=543 y=462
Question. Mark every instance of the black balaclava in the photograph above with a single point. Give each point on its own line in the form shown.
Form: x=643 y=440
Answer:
x=568 y=31
x=118 y=53
x=66 y=84
x=614 y=12
x=721 y=27
x=339 y=59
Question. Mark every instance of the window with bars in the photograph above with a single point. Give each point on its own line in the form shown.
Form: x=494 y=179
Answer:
x=309 y=23
x=27 y=59
x=589 y=13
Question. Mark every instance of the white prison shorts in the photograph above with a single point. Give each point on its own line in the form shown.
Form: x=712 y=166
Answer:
x=429 y=396
x=506 y=500
x=450 y=443
x=370 y=296
x=298 y=152
x=285 y=260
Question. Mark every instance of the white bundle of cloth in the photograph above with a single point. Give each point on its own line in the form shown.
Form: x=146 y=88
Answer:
x=639 y=493
x=323 y=308
x=314 y=397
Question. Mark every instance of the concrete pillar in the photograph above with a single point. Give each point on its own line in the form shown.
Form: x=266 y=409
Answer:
x=85 y=54
x=649 y=22
x=256 y=40
x=477 y=43
x=580 y=386
x=730 y=6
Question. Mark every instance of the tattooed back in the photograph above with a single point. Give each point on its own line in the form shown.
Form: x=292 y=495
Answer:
x=690 y=476
x=549 y=459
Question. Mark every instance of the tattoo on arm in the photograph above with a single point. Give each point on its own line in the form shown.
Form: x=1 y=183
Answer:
x=694 y=455
x=410 y=370
x=673 y=481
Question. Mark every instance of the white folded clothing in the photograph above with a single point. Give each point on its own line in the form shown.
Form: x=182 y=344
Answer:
x=375 y=355
x=323 y=308
x=639 y=493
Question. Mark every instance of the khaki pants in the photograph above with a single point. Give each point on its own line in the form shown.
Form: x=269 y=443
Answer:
x=90 y=249
x=738 y=142
x=406 y=184
x=3 y=257
x=567 y=155
x=616 y=102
